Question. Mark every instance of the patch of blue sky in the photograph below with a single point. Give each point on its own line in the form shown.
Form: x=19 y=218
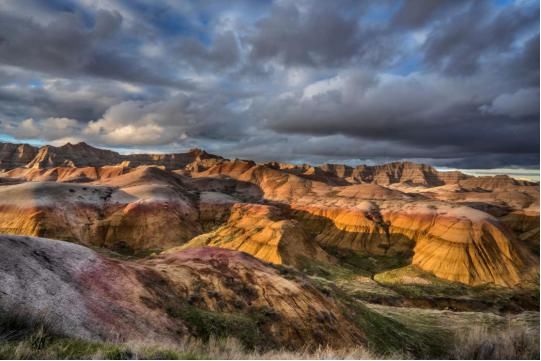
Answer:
x=380 y=12
x=504 y=3
x=407 y=66
x=35 y=84
x=168 y=21
x=6 y=138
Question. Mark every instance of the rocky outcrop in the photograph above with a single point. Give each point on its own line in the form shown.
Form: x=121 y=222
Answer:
x=263 y=232
x=86 y=295
x=490 y=183
x=404 y=172
x=83 y=155
x=454 y=243
x=66 y=174
x=194 y=158
x=73 y=155
x=275 y=184
x=16 y=155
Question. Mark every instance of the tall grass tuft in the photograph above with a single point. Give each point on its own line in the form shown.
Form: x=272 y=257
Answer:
x=510 y=343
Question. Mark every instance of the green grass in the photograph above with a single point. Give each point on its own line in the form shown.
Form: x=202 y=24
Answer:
x=352 y=263
x=363 y=263
x=392 y=280
x=64 y=348
x=422 y=284
x=385 y=335
x=247 y=327
x=428 y=286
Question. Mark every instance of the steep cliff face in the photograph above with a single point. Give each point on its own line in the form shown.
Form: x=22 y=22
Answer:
x=86 y=295
x=405 y=172
x=83 y=155
x=525 y=224
x=172 y=161
x=498 y=182
x=73 y=155
x=264 y=232
x=339 y=170
x=16 y=155
x=455 y=243
x=460 y=244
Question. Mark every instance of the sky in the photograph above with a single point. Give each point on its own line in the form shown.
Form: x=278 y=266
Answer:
x=450 y=83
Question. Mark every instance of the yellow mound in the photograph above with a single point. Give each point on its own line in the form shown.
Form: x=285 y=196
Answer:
x=259 y=231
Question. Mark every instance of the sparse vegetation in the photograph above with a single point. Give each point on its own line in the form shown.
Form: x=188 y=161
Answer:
x=206 y=324
x=386 y=280
x=511 y=343
x=425 y=332
x=34 y=340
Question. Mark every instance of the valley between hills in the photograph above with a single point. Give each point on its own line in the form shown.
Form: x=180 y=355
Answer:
x=101 y=250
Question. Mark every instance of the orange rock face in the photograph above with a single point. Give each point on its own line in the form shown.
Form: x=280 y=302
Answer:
x=264 y=232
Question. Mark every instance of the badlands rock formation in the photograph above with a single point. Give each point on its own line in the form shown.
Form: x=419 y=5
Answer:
x=264 y=232
x=83 y=294
x=15 y=155
x=146 y=208
x=473 y=230
x=83 y=155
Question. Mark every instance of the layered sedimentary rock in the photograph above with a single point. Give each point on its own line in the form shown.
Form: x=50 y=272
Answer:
x=454 y=242
x=73 y=155
x=66 y=174
x=469 y=229
x=86 y=295
x=83 y=155
x=275 y=184
x=16 y=155
x=128 y=214
x=404 y=172
x=264 y=232
x=172 y=161
x=458 y=244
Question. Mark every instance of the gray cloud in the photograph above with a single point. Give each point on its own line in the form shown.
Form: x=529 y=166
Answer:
x=319 y=35
x=67 y=47
x=223 y=53
x=523 y=102
x=459 y=44
x=452 y=83
x=424 y=111
x=417 y=13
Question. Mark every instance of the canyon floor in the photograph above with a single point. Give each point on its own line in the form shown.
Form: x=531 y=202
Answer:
x=192 y=255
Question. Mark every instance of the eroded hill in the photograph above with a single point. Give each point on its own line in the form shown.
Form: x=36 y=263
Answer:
x=473 y=230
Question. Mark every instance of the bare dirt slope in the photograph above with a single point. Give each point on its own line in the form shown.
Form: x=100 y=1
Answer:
x=84 y=294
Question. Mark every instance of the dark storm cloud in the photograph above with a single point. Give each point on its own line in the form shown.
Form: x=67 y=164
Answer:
x=322 y=35
x=417 y=13
x=452 y=83
x=66 y=46
x=459 y=44
x=222 y=54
